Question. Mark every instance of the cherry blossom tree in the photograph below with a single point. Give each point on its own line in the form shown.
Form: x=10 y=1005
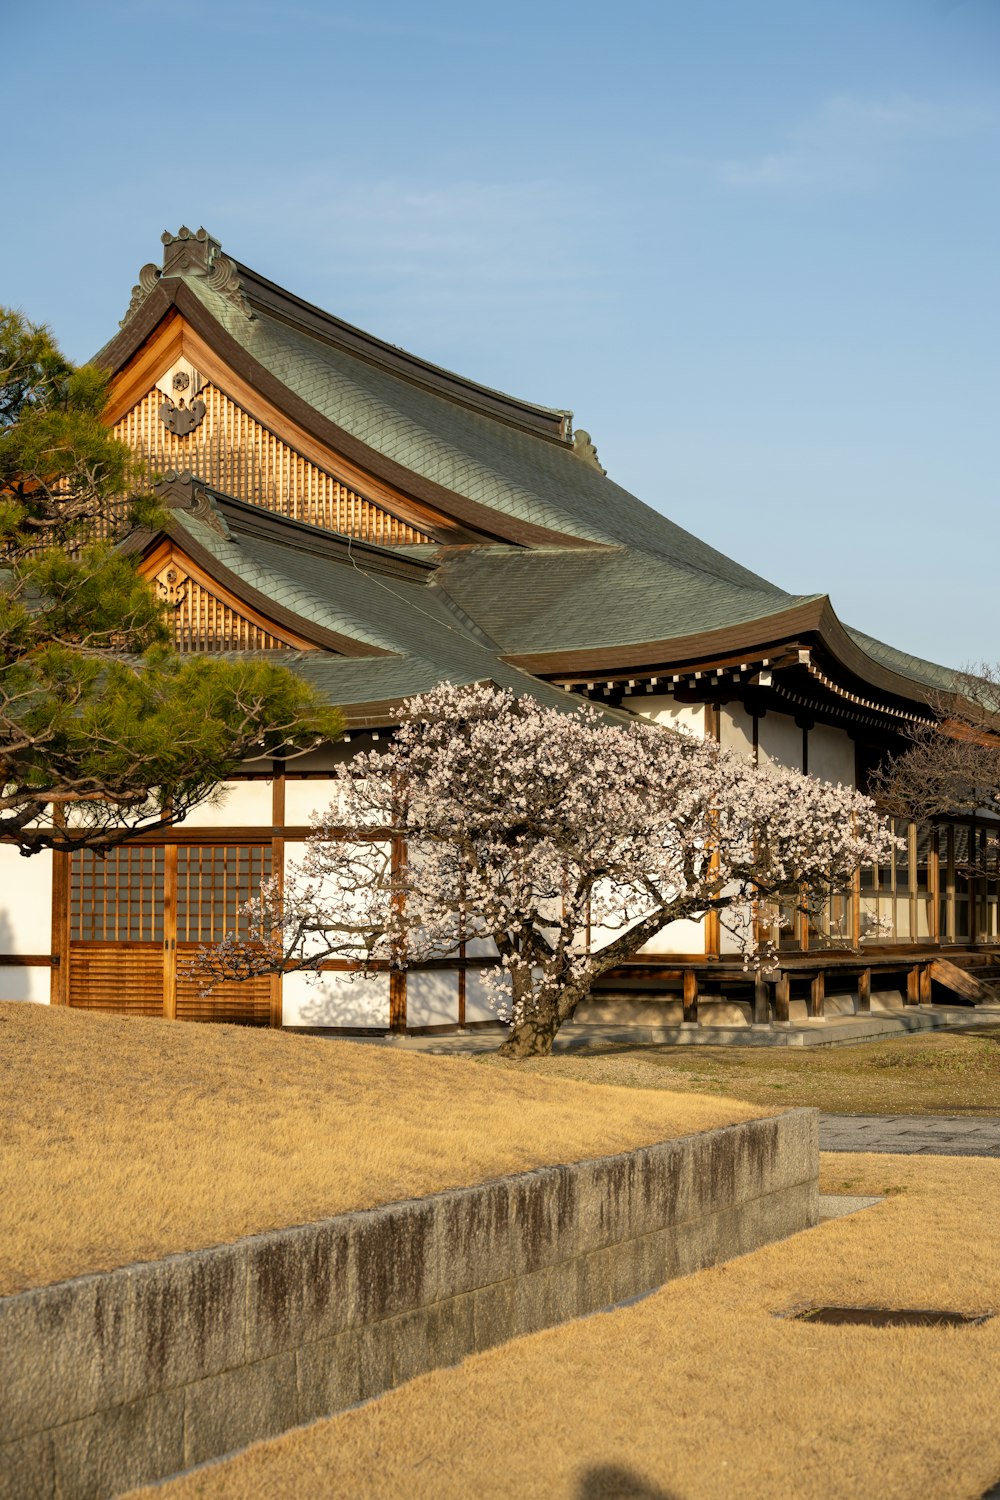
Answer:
x=565 y=839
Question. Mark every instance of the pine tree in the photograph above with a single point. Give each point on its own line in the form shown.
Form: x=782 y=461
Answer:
x=105 y=731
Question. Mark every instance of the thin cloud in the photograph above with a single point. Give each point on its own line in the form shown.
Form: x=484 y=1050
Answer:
x=850 y=144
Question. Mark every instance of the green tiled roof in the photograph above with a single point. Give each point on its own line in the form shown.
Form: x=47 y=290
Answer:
x=525 y=476
x=642 y=578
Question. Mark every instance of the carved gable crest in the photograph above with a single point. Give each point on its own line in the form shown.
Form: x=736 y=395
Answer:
x=182 y=410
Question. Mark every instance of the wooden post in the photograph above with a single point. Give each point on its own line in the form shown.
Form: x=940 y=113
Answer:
x=782 y=996
x=925 y=984
x=865 y=992
x=690 y=998
x=169 y=932
x=59 y=994
x=397 y=976
x=817 y=996
x=277 y=871
x=761 y=1005
x=913 y=985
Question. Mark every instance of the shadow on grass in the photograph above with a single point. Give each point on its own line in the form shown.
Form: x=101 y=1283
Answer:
x=611 y=1482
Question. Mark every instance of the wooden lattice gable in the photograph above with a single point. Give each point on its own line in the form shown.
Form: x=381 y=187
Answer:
x=213 y=610
x=207 y=617
x=181 y=405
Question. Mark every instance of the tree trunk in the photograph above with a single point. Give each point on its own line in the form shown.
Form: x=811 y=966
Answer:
x=531 y=1037
x=541 y=1016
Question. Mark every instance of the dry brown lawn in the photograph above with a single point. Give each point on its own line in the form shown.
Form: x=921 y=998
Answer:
x=700 y=1392
x=940 y=1074
x=125 y=1139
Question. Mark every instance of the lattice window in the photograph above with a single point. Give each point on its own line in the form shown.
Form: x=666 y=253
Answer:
x=213 y=882
x=118 y=898
x=235 y=454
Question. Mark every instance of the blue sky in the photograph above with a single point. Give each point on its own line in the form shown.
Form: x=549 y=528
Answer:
x=753 y=244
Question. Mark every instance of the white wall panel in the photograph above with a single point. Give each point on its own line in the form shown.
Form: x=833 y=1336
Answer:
x=335 y=1000
x=661 y=708
x=303 y=798
x=831 y=755
x=685 y=936
x=25 y=983
x=432 y=998
x=779 y=742
x=477 y=1002
x=736 y=729
x=294 y=853
x=240 y=804
x=25 y=902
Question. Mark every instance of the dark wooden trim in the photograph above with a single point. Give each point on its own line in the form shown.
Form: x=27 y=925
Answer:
x=32 y=961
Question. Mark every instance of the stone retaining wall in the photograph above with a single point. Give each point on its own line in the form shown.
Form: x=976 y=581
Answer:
x=111 y=1380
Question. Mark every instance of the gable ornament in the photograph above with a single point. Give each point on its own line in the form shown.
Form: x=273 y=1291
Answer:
x=182 y=409
x=191 y=252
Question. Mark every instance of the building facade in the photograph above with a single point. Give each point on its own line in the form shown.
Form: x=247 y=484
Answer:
x=380 y=525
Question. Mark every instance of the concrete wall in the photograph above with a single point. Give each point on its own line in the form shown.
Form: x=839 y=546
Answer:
x=114 y=1380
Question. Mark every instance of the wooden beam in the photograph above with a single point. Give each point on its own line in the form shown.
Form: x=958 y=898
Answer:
x=690 y=998
x=865 y=992
x=960 y=982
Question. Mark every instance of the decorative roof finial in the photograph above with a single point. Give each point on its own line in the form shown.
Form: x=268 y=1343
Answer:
x=191 y=253
x=584 y=448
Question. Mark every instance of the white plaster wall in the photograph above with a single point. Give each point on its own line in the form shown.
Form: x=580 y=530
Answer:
x=303 y=798
x=432 y=998
x=335 y=1000
x=779 y=741
x=736 y=729
x=685 y=936
x=481 y=948
x=661 y=708
x=25 y=902
x=294 y=852
x=25 y=984
x=735 y=930
x=477 y=1005
x=831 y=755
x=236 y=804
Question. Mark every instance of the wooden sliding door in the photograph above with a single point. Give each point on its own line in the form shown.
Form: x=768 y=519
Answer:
x=139 y=915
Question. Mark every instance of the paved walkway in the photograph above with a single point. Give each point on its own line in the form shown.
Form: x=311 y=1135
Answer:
x=918 y=1135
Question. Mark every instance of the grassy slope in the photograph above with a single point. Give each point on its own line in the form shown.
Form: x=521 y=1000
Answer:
x=942 y=1074
x=127 y=1139
x=700 y=1391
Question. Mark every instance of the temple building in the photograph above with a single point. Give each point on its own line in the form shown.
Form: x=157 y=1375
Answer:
x=380 y=524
